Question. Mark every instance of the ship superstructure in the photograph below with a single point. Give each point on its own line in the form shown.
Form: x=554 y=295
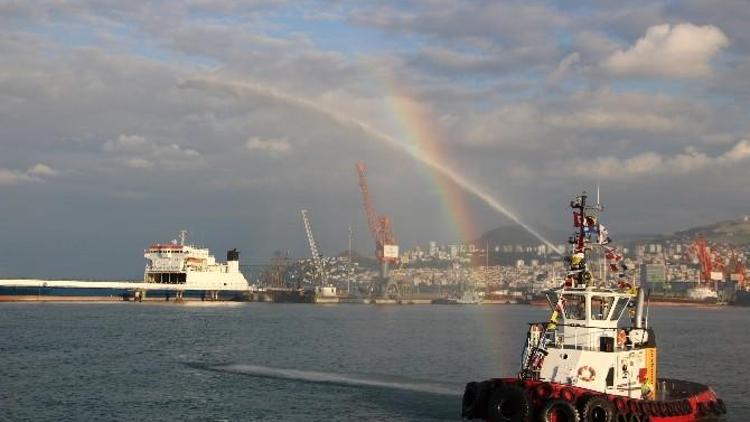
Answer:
x=188 y=268
x=181 y=264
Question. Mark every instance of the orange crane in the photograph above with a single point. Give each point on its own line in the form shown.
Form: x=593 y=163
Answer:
x=386 y=249
x=710 y=261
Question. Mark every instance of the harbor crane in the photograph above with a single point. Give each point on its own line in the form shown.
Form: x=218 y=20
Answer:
x=710 y=261
x=386 y=249
x=736 y=269
x=320 y=274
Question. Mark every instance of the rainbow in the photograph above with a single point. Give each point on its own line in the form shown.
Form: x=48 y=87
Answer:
x=431 y=160
x=417 y=129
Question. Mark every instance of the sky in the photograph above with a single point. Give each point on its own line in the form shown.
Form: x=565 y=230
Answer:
x=123 y=122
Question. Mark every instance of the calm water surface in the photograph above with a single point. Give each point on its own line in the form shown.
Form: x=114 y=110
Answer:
x=252 y=361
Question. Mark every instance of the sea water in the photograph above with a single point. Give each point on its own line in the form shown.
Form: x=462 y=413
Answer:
x=295 y=362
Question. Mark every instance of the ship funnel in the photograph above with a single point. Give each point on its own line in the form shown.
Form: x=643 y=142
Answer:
x=233 y=255
x=639 y=308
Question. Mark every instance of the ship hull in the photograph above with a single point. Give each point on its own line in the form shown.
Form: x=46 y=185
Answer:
x=741 y=298
x=508 y=399
x=74 y=294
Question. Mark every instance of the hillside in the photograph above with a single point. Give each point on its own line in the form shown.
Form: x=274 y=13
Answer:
x=733 y=232
x=364 y=261
x=517 y=235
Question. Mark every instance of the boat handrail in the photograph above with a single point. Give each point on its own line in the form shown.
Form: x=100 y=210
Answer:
x=574 y=325
x=583 y=341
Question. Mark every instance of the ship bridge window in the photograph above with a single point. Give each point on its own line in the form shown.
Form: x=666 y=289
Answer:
x=574 y=306
x=600 y=306
x=621 y=304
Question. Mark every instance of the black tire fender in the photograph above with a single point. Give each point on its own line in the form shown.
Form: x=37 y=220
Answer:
x=653 y=409
x=644 y=407
x=634 y=406
x=701 y=409
x=688 y=407
x=474 y=401
x=722 y=406
x=679 y=407
x=663 y=409
x=713 y=407
x=568 y=394
x=543 y=391
x=621 y=404
x=509 y=404
x=684 y=407
x=597 y=409
x=561 y=409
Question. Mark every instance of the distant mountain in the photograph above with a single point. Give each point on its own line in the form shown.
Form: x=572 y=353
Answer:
x=364 y=261
x=733 y=232
x=517 y=235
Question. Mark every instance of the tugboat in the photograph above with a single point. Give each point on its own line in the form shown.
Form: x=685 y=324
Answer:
x=594 y=360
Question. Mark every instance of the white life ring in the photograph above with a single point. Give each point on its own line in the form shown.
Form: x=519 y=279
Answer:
x=586 y=373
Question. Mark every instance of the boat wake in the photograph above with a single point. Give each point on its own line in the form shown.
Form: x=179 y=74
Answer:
x=338 y=379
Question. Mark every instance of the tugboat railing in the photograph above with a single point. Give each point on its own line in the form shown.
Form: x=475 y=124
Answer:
x=580 y=341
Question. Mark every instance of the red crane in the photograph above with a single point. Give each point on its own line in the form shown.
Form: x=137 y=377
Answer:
x=710 y=261
x=741 y=274
x=386 y=249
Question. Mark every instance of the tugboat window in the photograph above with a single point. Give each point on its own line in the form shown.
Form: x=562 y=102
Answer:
x=600 y=307
x=575 y=307
x=619 y=308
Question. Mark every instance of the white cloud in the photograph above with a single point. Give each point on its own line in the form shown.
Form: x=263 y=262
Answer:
x=682 y=51
x=739 y=152
x=35 y=173
x=593 y=44
x=651 y=163
x=127 y=143
x=268 y=145
x=12 y=177
x=611 y=111
x=138 y=163
x=137 y=151
x=585 y=119
x=614 y=120
x=519 y=23
x=42 y=170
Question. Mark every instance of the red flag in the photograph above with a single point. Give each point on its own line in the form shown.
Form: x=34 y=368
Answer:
x=577 y=220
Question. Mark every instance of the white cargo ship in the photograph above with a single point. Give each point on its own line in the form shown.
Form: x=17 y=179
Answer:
x=174 y=271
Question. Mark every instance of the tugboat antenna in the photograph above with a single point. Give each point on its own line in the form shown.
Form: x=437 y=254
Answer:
x=598 y=203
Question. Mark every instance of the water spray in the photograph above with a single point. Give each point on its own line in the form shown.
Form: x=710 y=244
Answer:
x=240 y=88
x=319 y=377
